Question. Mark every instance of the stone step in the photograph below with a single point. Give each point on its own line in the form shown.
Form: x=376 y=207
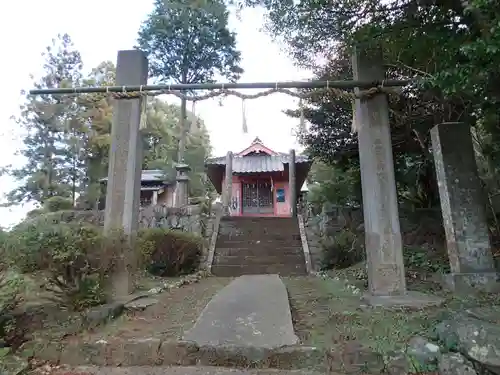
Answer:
x=268 y=225
x=250 y=260
x=259 y=238
x=260 y=223
x=261 y=235
x=177 y=370
x=242 y=269
x=155 y=356
x=258 y=250
x=241 y=219
x=263 y=228
x=264 y=246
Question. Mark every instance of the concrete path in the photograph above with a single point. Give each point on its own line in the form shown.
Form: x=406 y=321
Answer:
x=253 y=310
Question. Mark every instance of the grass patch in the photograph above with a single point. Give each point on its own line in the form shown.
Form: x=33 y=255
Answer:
x=328 y=312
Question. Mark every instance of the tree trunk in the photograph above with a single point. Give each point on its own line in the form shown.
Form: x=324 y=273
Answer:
x=73 y=182
x=183 y=126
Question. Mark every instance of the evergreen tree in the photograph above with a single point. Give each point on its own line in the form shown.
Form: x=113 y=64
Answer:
x=46 y=121
x=163 y=129
x=96 y=113
x=189 y=42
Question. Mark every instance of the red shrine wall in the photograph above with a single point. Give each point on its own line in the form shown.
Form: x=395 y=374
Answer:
x=273 y=183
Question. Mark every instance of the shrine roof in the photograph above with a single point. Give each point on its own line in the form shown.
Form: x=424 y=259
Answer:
x=258 y=163
x=150 y=176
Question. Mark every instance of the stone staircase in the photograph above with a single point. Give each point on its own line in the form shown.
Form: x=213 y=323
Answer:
x=258 y=245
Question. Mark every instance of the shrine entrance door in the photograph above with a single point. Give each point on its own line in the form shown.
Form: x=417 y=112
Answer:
x=257 y=198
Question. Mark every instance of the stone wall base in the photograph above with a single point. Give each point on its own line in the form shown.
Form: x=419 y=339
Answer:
x=488 y=282
x=408 y=299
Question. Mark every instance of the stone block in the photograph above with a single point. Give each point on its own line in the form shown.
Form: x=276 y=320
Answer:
x=102 y=314
x=232 y=356
x=179 y=353
x=409 y=299
x=141 y=352
x=140 y=304
x=488 y=282
x=476 y=339
x=422 y=355
x=86 y=353
x=297 y=357
x=455 y=363
x=490 y=314
x=462 y=206
x=354 y=358
x=49 y=351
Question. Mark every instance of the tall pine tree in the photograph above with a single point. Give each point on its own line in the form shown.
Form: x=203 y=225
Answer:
x=46 y=122
x=96 y=113
x=189 y=42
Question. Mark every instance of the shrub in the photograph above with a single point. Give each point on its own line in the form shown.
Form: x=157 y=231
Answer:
x=3 y=239
x=167 y=252
x=424 y=260
x=71 y=259
x=11 y=291
x=23 y=246
x=76 y=258
x=34 y=213
x=55 y=204
x=341 y=251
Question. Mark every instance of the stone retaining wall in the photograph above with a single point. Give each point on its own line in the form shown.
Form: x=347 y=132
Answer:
x=153 y=351
x=419 y=227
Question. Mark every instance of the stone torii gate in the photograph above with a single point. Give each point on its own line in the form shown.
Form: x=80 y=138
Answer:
x=464 y=217
x=460 y=191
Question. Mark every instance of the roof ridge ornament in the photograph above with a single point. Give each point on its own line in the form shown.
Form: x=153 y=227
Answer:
x=257 y=140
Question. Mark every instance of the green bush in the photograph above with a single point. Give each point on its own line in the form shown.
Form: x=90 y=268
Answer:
x=11 y=292
x=55 y=204
x=23 y=246
x=3 y=239
x=76 y=258
x=167 y=252
x=425 y=260
x=341 y=251
x=72 y=259
x=34 y=213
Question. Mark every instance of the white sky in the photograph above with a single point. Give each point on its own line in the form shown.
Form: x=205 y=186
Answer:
x=27 y=27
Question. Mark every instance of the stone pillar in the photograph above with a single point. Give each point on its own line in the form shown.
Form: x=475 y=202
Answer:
x=463 y=208
x=182 y=184
x=384 y=253
x=227 y=188
x=125 y=164
x=292 y=185
x=154 y=200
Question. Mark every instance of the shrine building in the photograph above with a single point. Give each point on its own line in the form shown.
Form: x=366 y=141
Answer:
x=260 y=180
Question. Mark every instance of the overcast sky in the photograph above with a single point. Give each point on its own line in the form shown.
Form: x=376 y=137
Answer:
x=27 y=27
